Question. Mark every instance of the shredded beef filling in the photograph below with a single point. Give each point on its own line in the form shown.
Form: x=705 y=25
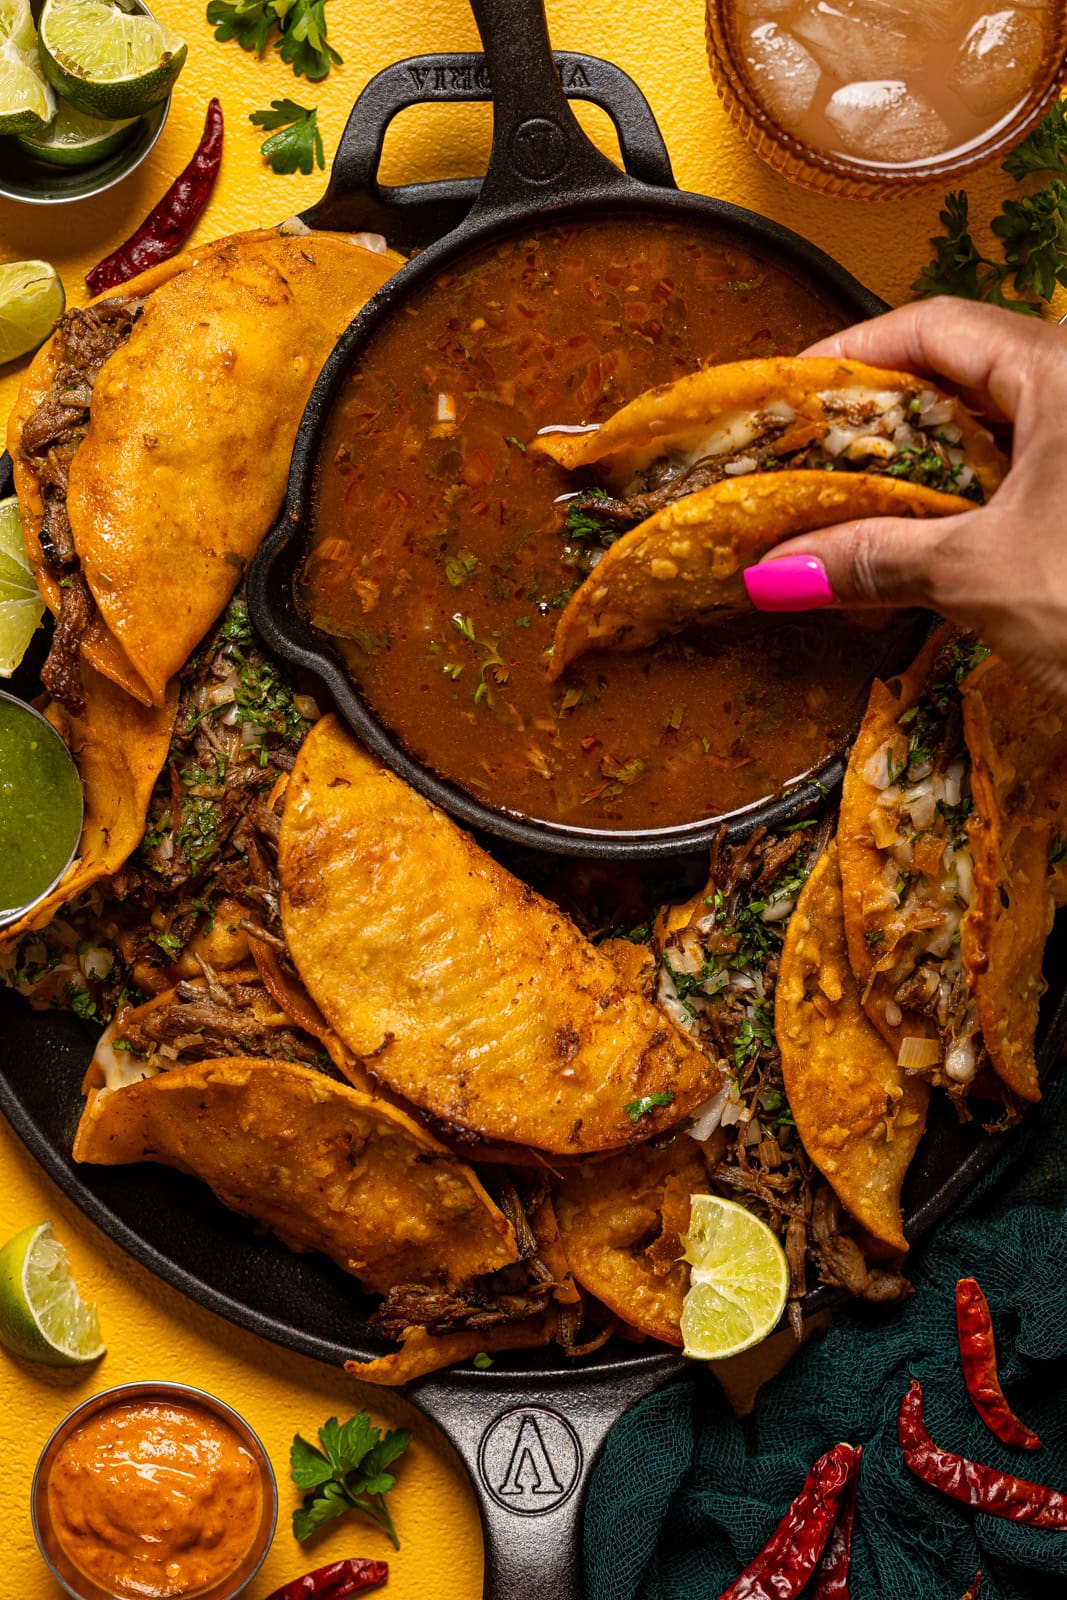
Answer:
x=84 y=339
x=925 y=457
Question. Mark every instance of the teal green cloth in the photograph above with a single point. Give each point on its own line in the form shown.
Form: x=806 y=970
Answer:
x=685 y=1495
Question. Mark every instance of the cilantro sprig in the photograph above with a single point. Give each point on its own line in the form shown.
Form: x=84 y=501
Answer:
x=347 y=1474
x=301 y=31
x=296 y=146
x=1032 y=231
x=648 y=1103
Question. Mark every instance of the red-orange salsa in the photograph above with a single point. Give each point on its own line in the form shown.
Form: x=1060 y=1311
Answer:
x=438 y=566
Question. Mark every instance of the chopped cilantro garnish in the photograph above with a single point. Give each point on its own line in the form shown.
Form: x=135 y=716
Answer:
x=636 y=1109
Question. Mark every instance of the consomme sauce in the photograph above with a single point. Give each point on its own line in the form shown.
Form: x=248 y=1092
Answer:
x=438 y=565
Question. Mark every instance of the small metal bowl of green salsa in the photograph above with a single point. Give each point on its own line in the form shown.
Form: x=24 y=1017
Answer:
x=40 y=808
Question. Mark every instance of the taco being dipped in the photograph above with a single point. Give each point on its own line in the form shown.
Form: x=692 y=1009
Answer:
x=696 y=480
x=151 y=442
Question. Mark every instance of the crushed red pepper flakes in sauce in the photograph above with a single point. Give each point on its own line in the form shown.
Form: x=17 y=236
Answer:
x=978 y=1357
x=438 y=566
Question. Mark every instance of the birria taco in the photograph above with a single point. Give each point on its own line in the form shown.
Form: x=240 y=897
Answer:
x=947 y=827
x=696 y=480
x=151 y=442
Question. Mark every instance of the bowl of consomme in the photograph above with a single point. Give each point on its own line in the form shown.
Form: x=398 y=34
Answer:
x=156 y=1491
x=869 y=98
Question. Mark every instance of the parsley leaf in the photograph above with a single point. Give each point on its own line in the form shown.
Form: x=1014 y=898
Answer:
x=1044 y=150
x=297 y=145
x=636 y=1109
x=346 y=1474
x=301 y=25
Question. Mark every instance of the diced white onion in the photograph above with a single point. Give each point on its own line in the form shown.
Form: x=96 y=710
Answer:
x=876 y=769
x=165 y=847
x=224 y=695
x=934 y=410
x=734 y=469
x=951 y=434
x=706 y=1118
x=959 y=1061
x=96 y=962
x=251 y=735
x=921 y=805
x=965 y=476
x=953 y=783
x=782 y=410
x=893 y=1014
x=778 y=910
x=836 y=439
x=964 y=864
x=229 y=719
x=915 y=1053
x=939 y=940
x=446 y=408
x=370 y=241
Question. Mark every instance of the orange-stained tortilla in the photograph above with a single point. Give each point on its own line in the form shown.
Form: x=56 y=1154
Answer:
x=421 y=1353
x=621 y=1221
x=859 y=1116
x=685 y=565
x=458 y=986
x=325 y=1167
x=1017 y=741
x=678 y=417
x=155 y=1498
x=120 y=747
x=191 y=429
x=872 y=927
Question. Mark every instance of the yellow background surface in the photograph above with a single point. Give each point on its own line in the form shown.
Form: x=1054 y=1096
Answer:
x=151 y=1331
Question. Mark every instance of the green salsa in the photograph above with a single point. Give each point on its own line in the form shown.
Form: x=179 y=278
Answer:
x=40 y=806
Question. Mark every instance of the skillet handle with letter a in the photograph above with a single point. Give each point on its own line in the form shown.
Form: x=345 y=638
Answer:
x=529 y=1441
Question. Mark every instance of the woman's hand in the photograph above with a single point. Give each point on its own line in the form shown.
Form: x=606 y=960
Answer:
x=1001 y=569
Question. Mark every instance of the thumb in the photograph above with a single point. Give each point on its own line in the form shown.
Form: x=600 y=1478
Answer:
x=878 y=561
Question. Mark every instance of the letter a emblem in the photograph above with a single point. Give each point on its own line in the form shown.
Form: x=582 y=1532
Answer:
x=529 y=1469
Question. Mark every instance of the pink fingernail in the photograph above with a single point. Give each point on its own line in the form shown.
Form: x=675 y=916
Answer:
x=793 y=583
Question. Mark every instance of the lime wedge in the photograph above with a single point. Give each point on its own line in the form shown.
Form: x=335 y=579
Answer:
x=21 y=607
x=105 y=61
x=27 y=104
x=31 y=298
x=74 y=140
x=42 y=1315
x=739 y=1280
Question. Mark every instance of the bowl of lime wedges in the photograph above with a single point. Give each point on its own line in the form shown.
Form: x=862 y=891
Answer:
x=84 y=93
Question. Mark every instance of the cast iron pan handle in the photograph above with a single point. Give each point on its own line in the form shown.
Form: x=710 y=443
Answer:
x=415 y=214
x=528 y=1444
x=540 y=156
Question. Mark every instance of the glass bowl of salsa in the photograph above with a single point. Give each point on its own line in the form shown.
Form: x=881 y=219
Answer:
x=154 y=1490
x=871 y=98
x=40 y=808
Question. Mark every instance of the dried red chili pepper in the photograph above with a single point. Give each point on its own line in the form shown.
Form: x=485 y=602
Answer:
x=788 y=1559
x=168 y=224
x=335 y=1581
x=831 y=1575
x=976 y=1587
x=978 y=1357
x=986 y=1488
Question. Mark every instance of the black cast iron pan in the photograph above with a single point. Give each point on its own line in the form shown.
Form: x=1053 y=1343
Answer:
x=541 y=167
x=529 y=1429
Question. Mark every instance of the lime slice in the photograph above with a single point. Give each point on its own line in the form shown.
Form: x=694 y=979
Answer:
x=27 y=104
x=31 y=298
x=21 y=607
x=42 y=1315
x=75 y=140
x=107 y=62
x=739 y=1280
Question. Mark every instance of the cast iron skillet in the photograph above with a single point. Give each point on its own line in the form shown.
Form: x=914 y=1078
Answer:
x=541 y=167
x=529 y=1429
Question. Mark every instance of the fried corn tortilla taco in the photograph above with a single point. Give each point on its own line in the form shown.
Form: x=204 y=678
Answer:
x=621 y=1221
x=1017 y=743
x=944 y=848
x=696 y=480
x=120 y=748
x=324 y=1167
x=457 y=986
x=151 y=443
x=857 y=1112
